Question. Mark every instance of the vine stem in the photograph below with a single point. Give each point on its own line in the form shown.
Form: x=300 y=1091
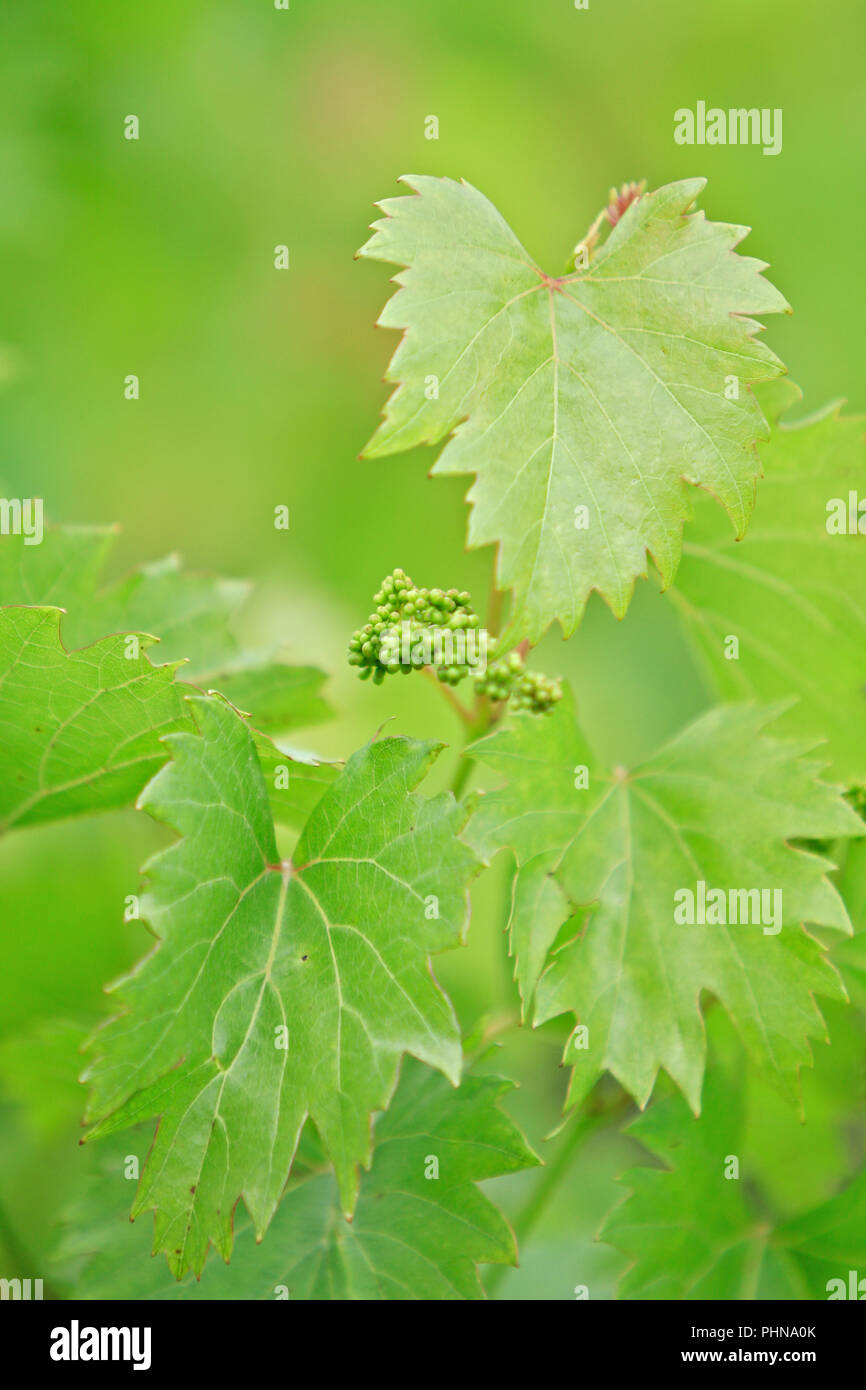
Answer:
x=494 y=604
x=478 y=722
x=448 y=694
x=461 y=776
x=590 y=237
x=527 y=1218
x=485 y=713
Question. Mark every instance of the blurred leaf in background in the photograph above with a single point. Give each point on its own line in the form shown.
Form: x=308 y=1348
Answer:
x=259 y=386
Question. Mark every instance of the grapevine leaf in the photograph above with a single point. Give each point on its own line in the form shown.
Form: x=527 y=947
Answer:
x=80 y=731
x=603 y=389
x=63 y=570
x=719 y=804
x=792 y=593
x=189 y=613
x=417 y=1233
x=693 y=1231
x=277 y=697
x=294 y=784
x=278 y=990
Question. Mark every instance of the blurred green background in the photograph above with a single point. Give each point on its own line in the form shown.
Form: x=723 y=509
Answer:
x=259 y=387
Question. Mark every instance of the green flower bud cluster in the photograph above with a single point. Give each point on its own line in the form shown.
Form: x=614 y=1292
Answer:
x=508 y=679
x=401 y=634
x=380 y=647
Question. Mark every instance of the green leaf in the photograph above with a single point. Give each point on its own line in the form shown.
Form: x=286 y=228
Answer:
x=295 y=785
x=603 y=389
x=80 y=731
x=277 y=697
x=190 y=614
x=334 y=947
x=694 y=1233
x=793 y=594
x=719 y=804
x=105 y=761
x=415 y=1235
